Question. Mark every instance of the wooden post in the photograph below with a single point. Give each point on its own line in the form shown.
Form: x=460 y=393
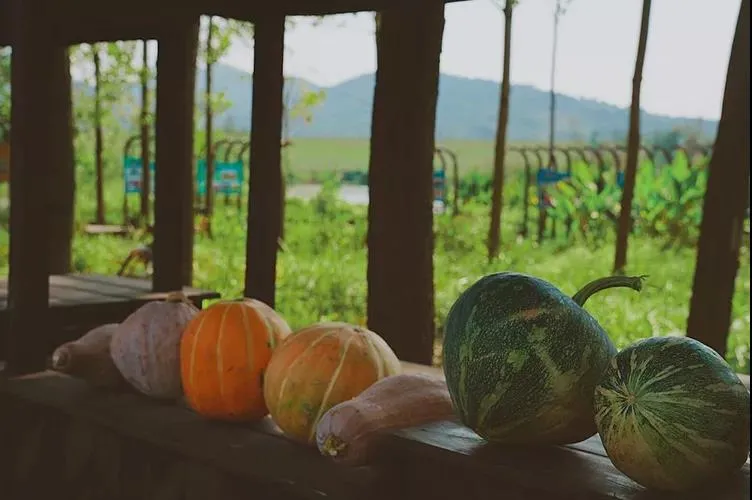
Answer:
x=61 y=184
x=35 y=61
x=173 y=188
x=400 y=212
x=725 y=203
x=265 y=195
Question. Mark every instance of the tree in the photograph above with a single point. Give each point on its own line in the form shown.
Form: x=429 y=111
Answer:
x=494 y=232
x=218 y=37
x=145 y=124
x=4 y=90
x=112 y=65
x=726 y=203
x=633 y=146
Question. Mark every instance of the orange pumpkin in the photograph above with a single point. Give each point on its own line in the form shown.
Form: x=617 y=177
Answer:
x=318 y=367
x=224 y=352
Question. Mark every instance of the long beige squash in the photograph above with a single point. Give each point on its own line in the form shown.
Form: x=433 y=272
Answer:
x=348 y=431
x=88 y=358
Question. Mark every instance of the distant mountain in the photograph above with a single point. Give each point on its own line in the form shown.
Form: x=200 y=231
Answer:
x=467 y=109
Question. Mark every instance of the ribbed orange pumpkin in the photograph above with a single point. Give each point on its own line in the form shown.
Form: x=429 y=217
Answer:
x=318 y=367
x=224 y=352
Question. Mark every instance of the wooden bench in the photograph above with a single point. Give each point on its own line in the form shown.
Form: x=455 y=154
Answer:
x=79 y=302
x=89 y=443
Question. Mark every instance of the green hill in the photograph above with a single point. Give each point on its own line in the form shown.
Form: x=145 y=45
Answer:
x=467 y=109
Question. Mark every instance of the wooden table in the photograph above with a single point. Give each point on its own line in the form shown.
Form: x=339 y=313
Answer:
x=68 y=438
x=79 y=302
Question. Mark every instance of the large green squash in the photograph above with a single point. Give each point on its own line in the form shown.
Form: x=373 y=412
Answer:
x=521 y=358
x=672 y=414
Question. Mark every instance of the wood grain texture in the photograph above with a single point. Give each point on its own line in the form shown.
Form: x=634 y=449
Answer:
x=87 y=21
x=79 y=302
x=124 y=434
x=89 y=443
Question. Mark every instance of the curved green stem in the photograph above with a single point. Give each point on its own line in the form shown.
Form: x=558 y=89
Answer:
x=633 y=282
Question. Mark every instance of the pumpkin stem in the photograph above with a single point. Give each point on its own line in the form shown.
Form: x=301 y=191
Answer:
x=61 y=359
x=177 y=296
x=633 y=282
x=333 y=446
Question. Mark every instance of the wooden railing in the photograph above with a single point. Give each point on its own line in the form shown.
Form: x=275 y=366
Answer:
x=62 y=437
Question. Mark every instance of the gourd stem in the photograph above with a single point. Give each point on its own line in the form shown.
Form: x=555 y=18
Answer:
x=633 y=282
x=177 y=296
x=333 y=446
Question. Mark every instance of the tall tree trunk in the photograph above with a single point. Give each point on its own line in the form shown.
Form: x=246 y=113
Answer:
x=62 y=183
x=725 y=205
x=542 y=215
x=208 y=123
x=633 y=146
x=497 y=197
x=99 y=167
x=145 y=136
x=400 y=209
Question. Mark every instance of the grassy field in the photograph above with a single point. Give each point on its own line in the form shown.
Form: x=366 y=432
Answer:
x=325 y=155
x=324 y=234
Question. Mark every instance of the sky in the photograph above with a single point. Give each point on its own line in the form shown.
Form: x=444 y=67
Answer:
x=685 y=67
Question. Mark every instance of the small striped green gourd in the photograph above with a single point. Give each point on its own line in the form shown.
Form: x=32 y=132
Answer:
x=672 y=414
x=521 y=358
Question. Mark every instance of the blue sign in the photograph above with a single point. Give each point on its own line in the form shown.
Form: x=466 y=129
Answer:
x=132 y=174
x=548 y=176
x=620 y=179
x=228 y=177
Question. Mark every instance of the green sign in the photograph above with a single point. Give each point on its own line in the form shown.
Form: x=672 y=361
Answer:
x=228 y=177
x=132 y=174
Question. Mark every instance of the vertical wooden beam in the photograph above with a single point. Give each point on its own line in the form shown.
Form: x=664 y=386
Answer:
x=34 y=61
x=61 y=184
x=400 y=212
x=265 y=195
x=725 y=203
x=173 y=189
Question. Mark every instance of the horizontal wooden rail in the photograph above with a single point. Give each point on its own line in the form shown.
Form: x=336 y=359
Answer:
x=57 y=428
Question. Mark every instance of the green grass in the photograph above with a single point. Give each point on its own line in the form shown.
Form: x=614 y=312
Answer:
x=323 y=234
x=323 y=155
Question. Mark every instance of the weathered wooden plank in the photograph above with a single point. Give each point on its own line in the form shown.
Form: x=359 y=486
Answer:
x=173 y=183
x=87 y=21
x=265 y=195
x=442 y=460
x=251 y=452
x=581 y=471
x=400 y=210
x=79 y=289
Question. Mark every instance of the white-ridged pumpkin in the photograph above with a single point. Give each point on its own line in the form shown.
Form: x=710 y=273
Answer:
x=146 y=346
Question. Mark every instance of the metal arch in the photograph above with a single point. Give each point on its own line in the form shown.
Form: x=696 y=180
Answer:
x=231 y=145
x=437 y=152
x=600 y=164
x=538 y=150
x=614 y=152
x=526 y=187
x=643 y=149
x=217 y=146
x=665 y=152
x=580 y=151
x=567 y=155
x=244 y=149
x=129 y=144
